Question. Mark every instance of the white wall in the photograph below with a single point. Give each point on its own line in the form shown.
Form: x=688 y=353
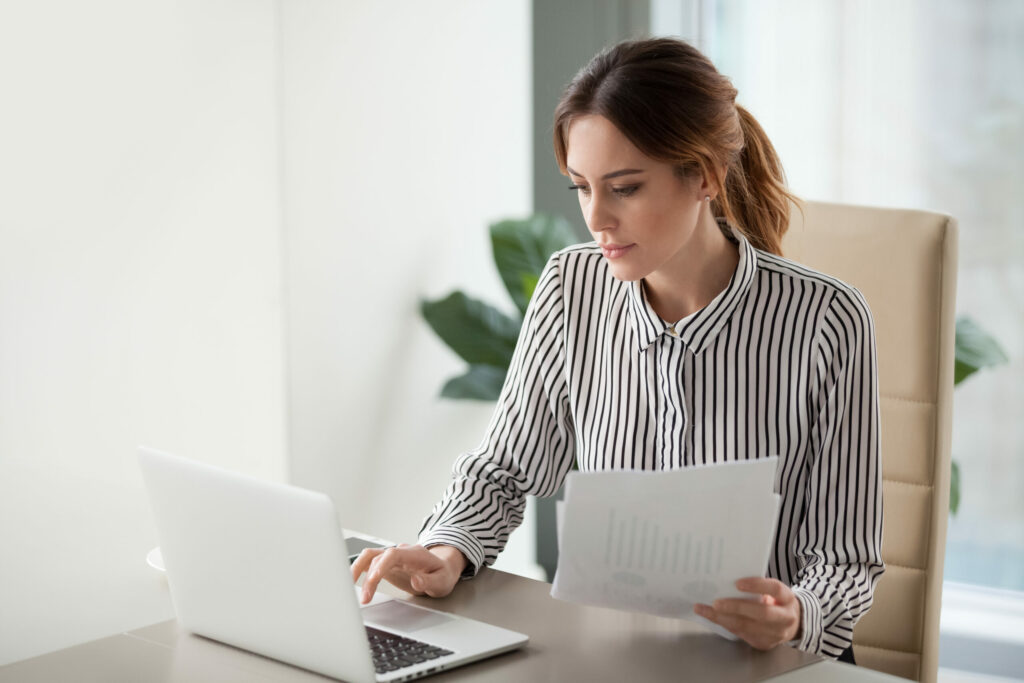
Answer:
x=199 y=199
x=140 y=289
x=407 y=131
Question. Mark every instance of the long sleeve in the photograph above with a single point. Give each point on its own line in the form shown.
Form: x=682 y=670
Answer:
x=528 y=447
x=840 y=536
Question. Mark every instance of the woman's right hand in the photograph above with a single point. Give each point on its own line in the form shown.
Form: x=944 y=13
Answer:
x=430 y=571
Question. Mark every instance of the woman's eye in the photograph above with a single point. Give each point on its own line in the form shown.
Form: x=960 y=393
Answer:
x=626 y=191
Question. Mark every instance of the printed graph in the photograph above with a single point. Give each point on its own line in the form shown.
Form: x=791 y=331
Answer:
x=637 y=544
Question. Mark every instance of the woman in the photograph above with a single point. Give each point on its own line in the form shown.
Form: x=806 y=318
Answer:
x=680 y=337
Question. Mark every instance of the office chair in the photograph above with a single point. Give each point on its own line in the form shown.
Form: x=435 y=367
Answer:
x=904 y=263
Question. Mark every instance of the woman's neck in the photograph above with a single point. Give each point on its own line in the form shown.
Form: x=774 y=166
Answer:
x=696 y=275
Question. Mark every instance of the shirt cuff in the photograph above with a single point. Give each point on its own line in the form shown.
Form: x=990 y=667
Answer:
x=811 y=628
x=457 y=538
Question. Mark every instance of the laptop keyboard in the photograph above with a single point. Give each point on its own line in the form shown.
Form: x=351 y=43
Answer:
x=392 y=652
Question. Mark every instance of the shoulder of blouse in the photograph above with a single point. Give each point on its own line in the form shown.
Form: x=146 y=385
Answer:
x=841 y=291
x=571 y=260
x=571 y=264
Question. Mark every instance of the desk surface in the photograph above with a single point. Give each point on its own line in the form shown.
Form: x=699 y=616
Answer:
x=567 y=643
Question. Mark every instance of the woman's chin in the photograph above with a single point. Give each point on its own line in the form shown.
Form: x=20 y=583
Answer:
x=625 y=272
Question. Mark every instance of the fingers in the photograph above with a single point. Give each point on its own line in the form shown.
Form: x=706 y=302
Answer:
x=764 y=621
x=431 y=583
x=757 y=633
x=411 y=568
x=434 y=584
x=780 y=625
x=781 y=593
x=742 y=607
x=362 y=562
x=739 y=626
x=383 y=562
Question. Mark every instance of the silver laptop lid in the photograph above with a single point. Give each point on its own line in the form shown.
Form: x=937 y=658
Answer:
x=226 y=550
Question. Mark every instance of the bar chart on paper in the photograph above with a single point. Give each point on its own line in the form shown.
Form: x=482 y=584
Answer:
x=645 y=542
x=642 y=559
x=641 y=544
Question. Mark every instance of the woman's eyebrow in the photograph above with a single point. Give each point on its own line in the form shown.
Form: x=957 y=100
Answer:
x=613 y=174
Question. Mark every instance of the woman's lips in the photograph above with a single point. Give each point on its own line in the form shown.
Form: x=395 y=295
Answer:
x=614 y=251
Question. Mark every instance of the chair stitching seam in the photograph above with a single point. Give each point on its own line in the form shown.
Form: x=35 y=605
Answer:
x=908 y=483
x=903 y=566
x=887 y=649
x=908 y=400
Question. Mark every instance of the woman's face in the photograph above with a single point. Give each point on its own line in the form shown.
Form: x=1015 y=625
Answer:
x=638 y=210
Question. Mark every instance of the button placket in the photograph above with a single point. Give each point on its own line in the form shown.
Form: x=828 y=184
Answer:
x=662 y=403
x=681 y=383
x=673 y=402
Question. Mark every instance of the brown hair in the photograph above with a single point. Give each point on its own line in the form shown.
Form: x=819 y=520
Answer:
x=671 y=102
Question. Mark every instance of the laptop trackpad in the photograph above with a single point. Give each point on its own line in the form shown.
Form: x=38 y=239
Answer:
x=399 y=616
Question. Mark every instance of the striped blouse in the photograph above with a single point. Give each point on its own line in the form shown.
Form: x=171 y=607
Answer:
x=780 y=362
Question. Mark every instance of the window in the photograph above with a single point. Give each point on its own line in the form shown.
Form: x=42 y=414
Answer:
x=919 y=104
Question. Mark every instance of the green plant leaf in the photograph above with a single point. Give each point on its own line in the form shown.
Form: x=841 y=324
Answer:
x=523 y=247
x=529 y=284
x=478 y=332
x=975 y=349
x=481 y=383
x=954 y=488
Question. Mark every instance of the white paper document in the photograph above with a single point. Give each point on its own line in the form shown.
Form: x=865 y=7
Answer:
x=660 y=542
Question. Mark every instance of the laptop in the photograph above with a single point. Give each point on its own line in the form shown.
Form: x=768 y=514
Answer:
x=264 y=567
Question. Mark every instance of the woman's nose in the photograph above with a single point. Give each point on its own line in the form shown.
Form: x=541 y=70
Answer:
x=599 y=217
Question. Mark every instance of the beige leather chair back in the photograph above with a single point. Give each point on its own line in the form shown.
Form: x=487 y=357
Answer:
x=904 y=262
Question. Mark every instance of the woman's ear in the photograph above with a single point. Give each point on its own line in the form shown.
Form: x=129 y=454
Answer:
x=709 y=186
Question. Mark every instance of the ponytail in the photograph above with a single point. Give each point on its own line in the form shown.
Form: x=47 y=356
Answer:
x=755 y=198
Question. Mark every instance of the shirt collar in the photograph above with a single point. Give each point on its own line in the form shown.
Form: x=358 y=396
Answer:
x=698 y=329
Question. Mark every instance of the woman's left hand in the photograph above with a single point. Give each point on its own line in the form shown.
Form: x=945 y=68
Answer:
x=774 y=617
